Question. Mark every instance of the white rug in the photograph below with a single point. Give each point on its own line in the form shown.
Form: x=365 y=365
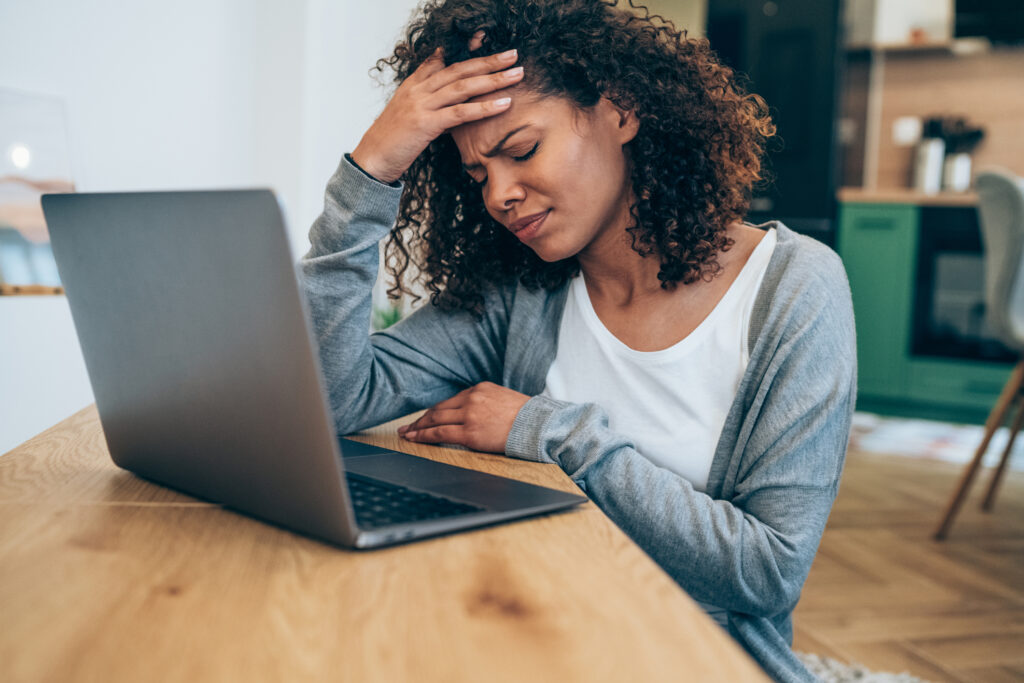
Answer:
x=830 y=670
x=931 y=440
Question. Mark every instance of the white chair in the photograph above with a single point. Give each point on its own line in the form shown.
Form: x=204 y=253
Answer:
x=1001 y=212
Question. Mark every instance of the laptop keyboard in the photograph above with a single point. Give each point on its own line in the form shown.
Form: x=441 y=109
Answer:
x=378 y=503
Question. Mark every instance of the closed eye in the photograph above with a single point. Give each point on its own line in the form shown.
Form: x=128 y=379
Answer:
x=525 y=157
x=528 y=154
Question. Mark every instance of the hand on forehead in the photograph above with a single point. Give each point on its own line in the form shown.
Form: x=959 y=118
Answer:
x=475 y=43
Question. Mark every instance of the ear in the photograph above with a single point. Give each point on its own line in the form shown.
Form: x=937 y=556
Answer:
x=623 y=122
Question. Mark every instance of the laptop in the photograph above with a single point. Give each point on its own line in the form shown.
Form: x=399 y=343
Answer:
x=197 y=342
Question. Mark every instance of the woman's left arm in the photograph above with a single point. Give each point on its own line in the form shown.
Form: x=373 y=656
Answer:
x=750 y=552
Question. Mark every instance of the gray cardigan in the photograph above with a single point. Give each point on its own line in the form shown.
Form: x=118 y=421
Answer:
x=746 y=545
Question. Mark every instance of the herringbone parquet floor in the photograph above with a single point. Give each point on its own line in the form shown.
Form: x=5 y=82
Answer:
x=884 y=594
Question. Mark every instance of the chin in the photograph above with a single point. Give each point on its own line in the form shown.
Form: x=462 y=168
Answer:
x=553 y=255
x=548 y=258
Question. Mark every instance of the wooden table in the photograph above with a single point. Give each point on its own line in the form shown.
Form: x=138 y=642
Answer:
x=106 y=577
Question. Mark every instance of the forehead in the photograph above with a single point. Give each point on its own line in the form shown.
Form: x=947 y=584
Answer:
x=527 y=108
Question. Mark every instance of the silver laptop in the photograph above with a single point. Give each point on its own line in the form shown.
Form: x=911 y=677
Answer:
x=206 y=376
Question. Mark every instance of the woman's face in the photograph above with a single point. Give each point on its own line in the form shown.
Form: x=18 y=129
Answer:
x=555 y=176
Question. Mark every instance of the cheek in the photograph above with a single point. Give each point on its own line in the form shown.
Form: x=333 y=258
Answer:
x=590 y=170
x=575 y=160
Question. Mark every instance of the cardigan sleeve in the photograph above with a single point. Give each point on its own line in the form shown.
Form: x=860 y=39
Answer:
x=425 y=358
x=749 y=553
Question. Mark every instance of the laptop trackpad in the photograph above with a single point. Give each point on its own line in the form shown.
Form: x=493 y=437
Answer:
x=351 y=448
x=407 y=470
x=496 y=493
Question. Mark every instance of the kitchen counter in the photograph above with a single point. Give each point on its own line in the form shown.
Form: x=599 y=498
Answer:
x=898 y=195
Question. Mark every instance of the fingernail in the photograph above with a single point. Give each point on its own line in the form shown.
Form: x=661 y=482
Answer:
x=502 y=102
x=509 y=54
x=411 y=435
x=514 y=73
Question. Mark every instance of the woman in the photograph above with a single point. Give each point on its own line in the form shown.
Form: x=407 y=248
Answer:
x=569 y=180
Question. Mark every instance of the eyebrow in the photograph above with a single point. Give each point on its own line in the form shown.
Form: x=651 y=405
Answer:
x=496 y=150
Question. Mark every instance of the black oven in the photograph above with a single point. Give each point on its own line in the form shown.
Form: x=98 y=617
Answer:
x=949 y=289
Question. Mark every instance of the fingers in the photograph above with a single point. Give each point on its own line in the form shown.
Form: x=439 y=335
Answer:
x=471 y=67
x=434 y=418
x=479 y=418
x=467 y=88
x=430 y=66
x=442 y=434
x=464 y=113
x=444 y=90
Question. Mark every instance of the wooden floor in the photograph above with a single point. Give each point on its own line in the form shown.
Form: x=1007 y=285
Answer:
x=884 y=594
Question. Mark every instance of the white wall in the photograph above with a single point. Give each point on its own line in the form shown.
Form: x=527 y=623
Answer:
x=166 y=95
x=344 y=41
x=190 y=94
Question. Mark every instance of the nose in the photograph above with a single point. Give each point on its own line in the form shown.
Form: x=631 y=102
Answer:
x=504 y=190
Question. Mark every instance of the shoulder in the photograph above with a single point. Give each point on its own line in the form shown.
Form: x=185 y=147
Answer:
x=804 y=287
x=802 y=270
x=800 y=258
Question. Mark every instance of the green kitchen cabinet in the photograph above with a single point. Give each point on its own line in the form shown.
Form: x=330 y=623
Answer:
x=878 y=243
x=970 y=385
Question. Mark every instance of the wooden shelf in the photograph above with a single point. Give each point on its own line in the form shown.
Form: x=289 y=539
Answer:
x=30 y=290
x=945 y=46
x=897 y=195
x=959 y=47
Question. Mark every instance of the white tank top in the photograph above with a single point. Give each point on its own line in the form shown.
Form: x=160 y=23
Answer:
x=671 y=403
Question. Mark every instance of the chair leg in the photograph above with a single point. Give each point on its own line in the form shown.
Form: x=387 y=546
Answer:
x=1011 y=391
x=993 y=485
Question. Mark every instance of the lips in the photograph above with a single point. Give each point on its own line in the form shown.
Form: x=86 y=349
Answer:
x=527 y=221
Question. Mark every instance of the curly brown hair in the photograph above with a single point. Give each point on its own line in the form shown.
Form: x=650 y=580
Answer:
x=693 y=163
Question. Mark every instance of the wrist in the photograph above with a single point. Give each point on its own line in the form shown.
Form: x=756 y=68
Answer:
x=368 y=165
x=525 y=438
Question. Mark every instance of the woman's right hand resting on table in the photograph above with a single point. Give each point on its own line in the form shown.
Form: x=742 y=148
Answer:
x=429 y=102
